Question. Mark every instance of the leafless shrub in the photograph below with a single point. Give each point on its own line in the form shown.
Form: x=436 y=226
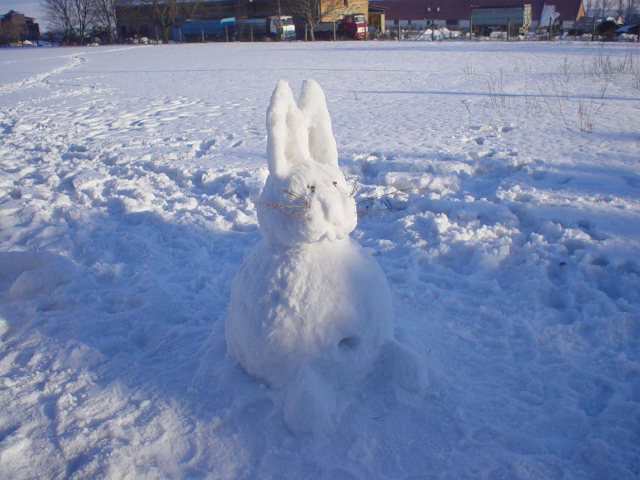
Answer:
x=356 y=180
x=469 y=69
x=497 y=95
x=558 y=102
x=535 y=108
x=605 y=66
x=636 y=78
x=565 y=68
x=626 y=64
x=587 y=113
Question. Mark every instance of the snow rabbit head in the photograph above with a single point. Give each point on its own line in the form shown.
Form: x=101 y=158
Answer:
x=305 y=198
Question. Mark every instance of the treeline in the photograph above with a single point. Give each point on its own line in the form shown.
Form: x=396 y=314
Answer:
x=76 y=20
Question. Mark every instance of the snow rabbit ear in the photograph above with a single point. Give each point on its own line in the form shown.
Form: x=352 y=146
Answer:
x=299 y=134
x=287 y=144
x=322 y=144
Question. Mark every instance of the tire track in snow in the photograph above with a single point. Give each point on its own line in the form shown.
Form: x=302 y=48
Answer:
x=41 y=78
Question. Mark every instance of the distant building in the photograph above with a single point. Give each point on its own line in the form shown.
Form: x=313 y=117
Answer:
x=456 y=14
x=377 y=18
x=16 y=27
x=136 y=18
x=140 y=19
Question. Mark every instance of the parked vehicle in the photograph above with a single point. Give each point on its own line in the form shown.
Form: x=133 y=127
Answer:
x=355 y=26
x=203 y=30
x=352 y=25
x=275 y=27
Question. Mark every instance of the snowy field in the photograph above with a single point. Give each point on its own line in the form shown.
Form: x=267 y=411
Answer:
x=498 y=187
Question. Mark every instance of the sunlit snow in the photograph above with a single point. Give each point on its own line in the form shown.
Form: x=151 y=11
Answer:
x=497 y=189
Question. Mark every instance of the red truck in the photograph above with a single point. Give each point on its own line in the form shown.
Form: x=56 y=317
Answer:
x=352 y=25
x=355 y=25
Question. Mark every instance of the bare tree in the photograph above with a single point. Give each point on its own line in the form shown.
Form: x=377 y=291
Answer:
x=169 y=13
x=85 y=13
x=68 y=15
x=604 y=7
x=631 y=8
x=314 y=12
x=106 y=15
x=59 y=14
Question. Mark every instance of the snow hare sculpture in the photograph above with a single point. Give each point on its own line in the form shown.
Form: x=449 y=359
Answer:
x=310 y=309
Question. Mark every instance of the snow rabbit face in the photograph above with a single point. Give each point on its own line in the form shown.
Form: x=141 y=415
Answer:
x=305 y=198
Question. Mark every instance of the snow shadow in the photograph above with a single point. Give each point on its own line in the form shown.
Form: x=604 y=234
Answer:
x=493 y=94
x=127 y=337
x=136 y=285
x=495 y=267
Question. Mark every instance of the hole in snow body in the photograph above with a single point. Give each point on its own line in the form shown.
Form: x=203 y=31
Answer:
x=349 y=343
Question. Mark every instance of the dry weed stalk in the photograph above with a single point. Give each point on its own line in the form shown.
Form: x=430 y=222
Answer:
x=356 y=181
x=386 y=201
x=290 y=210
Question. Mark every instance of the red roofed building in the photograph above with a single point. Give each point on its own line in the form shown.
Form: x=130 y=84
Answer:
x=456 y=14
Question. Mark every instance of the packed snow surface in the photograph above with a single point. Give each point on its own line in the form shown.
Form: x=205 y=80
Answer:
x=497 y=186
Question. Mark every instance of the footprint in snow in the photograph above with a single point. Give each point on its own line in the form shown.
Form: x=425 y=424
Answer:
x=205 y=146
x=633 y=182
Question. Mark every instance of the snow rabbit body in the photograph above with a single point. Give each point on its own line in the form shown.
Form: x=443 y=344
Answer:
x=310 y=309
